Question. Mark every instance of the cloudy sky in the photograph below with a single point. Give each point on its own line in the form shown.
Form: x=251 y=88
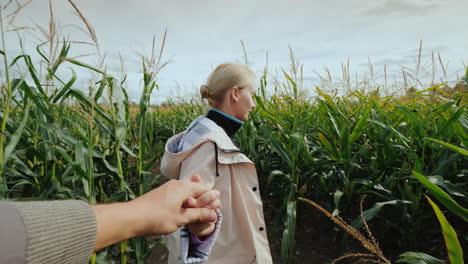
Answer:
x=204 y=33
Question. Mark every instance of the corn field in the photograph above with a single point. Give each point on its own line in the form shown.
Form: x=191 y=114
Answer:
x=60 y=142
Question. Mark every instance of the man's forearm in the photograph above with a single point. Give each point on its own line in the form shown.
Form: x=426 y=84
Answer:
x=115 y=222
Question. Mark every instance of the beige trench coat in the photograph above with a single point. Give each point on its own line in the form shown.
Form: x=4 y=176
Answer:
x=243 y=237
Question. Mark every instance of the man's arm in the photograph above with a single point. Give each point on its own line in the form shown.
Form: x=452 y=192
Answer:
x=46 y=232
x=69 y=231
x=157 y=212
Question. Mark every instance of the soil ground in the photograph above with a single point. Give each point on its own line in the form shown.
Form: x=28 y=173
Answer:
x=314 y=240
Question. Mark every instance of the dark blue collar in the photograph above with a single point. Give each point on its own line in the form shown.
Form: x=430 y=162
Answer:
x=230 y=124
x=228 y=116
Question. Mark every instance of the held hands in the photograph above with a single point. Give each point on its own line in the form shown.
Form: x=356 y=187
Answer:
x=207 y=200
x=158 y=212
x=175 y=204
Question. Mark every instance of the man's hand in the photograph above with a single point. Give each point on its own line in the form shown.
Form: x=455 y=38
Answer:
x=157 y=212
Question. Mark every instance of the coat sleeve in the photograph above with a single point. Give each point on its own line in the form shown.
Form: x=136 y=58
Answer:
x=184 y=247
x=201 y=161
x=46 y=232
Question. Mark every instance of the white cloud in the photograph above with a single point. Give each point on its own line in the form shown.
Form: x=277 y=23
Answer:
x=204 y=33
x=399 y=7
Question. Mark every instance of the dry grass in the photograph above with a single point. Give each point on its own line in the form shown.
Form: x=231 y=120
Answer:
x=370 y=243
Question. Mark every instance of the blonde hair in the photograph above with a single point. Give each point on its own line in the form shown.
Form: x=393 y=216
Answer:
x=223 y=78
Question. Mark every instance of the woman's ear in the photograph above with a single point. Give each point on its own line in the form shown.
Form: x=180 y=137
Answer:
x=235 y=94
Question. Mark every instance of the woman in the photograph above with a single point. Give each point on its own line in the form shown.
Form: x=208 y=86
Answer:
x=208 y=148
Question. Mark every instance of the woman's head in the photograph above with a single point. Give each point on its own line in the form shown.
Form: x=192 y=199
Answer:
x=230 y=88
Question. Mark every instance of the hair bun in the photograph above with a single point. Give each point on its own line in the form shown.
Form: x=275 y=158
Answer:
x=204 y=91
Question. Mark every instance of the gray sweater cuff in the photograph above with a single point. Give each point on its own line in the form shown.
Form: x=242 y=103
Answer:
x=58 y=231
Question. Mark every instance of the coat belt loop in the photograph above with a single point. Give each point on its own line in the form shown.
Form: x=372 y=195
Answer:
x=216 y=158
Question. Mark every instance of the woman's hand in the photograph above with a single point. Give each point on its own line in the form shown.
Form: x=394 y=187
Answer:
x=208 y=200
x=158 y=212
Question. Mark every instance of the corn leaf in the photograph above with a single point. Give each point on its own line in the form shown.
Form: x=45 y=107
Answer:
x=277 y=145
x=454 y=249
x=413 y=118
x=464 y=152
x=66 y=87
x=371 y=213
x=84 y=65
x=329 y=146
x=287 y=241
x=63 y=53
x=360 y=126
x=418 y=258
x=442 y=196
x=80 y=96
x=38 y=99
x=275 y=174
x=100 y=90
x=15 y=138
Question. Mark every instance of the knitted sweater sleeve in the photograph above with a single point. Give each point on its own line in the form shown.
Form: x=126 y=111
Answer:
x=46 y=232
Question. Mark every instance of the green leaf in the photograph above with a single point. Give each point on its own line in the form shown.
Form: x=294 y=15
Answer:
x=82 y=64
x=149 y=125
x=129 y=152
x=454 y=118
x=335 y=125
x=63 y=53
x=413 y=118
x=466 y=76
x=80 y=96
x=110 y=167
x=371 y=213
x=17 y=58
x=37 y=98
x=19 y=183
x=345 y=149
x=20 y=166
x=32 y=72
x=442 y=196
x=439 y=110
x=277 y=145
x=276 y=173
x=327 y=97
x=121 y=128
x=15 y=138
x=464 y=152
x=356 y=111
x=287 y=241
x=454 y=249
x=69 y=160
x=116 y=196
x=418 y=258
x=390 y=128
x=329 y=146
x=80 y=159
x=102 y=85
x=449 y=187
x=360 y=126
x=305 y=153
x=103 y=127
x=66 y=87
x=39 y=51
x=336 y=198
x=17 y=83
